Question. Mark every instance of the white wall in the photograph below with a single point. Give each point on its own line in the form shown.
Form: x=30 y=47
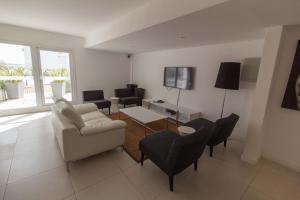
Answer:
x=94 y=69
x=148 y=73
x=281 y=142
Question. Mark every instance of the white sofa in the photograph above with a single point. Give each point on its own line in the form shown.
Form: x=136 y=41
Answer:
x=82 y=130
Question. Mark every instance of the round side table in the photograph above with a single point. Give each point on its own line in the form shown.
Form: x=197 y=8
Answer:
x=114 y=104
x=185 y=130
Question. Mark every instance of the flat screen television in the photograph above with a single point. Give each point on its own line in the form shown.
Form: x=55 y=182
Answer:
x=178 y=77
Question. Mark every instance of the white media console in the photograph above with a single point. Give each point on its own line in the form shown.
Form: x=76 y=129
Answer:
x=184 y=114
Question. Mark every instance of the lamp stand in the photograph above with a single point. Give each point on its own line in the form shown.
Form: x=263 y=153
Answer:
x=177 y=111
x=224 y=98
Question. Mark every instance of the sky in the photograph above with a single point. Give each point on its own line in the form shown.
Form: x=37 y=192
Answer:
x=12 y=54
x=20 y=55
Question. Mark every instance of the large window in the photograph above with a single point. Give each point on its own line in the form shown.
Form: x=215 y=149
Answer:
x=56 y=75
x=16 y=77
x=24 y=85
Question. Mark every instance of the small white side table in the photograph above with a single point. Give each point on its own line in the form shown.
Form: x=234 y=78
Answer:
x=185 y=130
x=146 y=103
x=114 y=104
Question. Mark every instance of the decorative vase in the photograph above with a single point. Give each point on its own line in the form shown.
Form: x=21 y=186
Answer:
x=14 y=90
x=58 y=89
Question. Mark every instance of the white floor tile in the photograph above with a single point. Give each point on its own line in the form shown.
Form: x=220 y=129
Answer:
x=150 y=180
x=6 y=151
x=121 y=159
x=4 y=171
x=89 y=171
x=278 y=184
x=2 y=189
x=70 y=198
x=253 y=194
x=9 y=127
x=28 y=133
x=213 y=180
x=35 y=145
x=114 y=188
x=8 y=137
x=33 y=163
x=52 y=185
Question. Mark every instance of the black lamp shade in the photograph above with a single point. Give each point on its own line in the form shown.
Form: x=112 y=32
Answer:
x=228 y=76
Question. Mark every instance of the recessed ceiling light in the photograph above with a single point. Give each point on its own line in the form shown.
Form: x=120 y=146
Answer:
x=182 y=37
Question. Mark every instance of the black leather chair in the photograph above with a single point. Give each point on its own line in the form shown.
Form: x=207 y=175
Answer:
x=132 y=87
x=96 y=97
x=130 y=95
x=173 y=153
x=220 y=130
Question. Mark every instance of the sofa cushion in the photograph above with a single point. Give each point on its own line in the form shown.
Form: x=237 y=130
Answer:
x=85 y=108
x=68 y=111
x=97 y=121
x=102 y=127
x=92 y=115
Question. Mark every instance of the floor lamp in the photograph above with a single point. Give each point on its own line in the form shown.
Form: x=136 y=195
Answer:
x=228 y=78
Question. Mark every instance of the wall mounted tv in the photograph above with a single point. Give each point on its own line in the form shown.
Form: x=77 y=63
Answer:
x=179 y=77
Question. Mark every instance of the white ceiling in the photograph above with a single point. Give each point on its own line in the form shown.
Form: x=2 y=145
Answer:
x=75 y=17
x=236 y=20
x=223 y=21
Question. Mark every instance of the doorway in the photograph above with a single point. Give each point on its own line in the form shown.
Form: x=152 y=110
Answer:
x=32 y=78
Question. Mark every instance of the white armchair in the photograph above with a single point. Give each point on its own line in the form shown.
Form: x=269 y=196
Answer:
x=82 y=130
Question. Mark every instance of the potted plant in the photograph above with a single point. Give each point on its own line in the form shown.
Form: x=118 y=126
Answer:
x=2 y=91
x=58 y=86
x=15 y=87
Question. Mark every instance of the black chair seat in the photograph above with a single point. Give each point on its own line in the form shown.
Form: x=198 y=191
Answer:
x=129 y=100
x=102 y=103
x=157 y=147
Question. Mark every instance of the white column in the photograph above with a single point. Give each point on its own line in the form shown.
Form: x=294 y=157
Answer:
x=252 y=151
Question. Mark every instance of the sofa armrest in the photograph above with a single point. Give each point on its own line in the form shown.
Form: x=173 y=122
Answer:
x=102 y=127
x=85 y=108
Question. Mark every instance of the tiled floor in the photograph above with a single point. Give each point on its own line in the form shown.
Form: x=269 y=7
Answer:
x=31 y=168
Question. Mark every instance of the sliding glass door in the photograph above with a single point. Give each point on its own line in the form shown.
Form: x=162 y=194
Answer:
x=17 y=86
x=56 y=75
x=31 y=77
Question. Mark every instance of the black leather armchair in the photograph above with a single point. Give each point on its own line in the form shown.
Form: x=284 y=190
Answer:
x=173 y=153
x=220 y=130
x=96 y=97
x=130 y=95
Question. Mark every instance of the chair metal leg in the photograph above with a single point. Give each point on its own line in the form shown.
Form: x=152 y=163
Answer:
x=171 y=183
x=225 y=143
x=211 y=150
x=142 y=159
x=195 y=165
